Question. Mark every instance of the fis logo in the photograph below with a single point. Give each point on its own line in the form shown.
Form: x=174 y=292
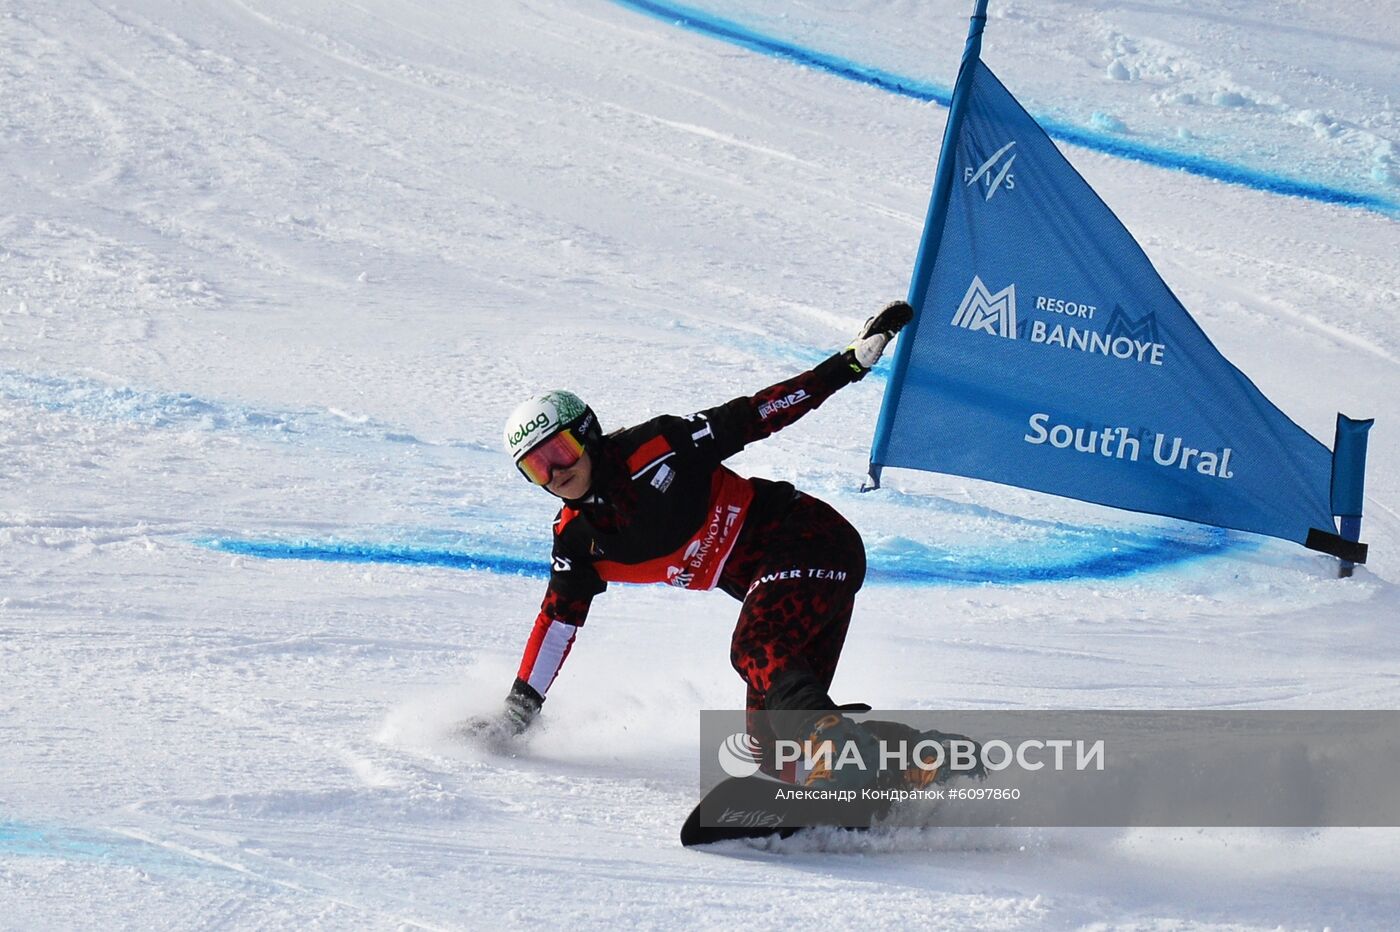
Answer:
x=987 y=312
x=993 y=173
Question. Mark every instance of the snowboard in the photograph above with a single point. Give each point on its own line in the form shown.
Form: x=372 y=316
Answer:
x=753 y=807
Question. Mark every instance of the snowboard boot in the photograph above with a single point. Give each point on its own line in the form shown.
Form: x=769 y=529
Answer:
x=923 y=768
x=839 y=754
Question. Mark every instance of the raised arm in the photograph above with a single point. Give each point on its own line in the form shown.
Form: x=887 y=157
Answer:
x=728 y=428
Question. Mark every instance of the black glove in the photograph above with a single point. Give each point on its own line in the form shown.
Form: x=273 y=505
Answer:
x=870 y=342
x=521 y=707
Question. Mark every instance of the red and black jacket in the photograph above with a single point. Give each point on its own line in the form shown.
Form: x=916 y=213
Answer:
x=664 y=508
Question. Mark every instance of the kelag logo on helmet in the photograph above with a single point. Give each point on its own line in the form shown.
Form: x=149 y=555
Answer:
x=548 y=432
x=525 y=430
x=1098 y=384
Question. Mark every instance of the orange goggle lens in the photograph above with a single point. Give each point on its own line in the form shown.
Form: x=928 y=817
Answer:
x=558 y=452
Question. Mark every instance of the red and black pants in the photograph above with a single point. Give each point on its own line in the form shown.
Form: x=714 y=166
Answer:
x=798 y=572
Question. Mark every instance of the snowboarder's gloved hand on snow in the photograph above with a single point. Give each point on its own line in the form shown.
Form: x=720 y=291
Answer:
x=521 y=707
x=878 y=331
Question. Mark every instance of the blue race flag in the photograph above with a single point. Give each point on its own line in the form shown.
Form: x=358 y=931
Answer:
x=1046 y=352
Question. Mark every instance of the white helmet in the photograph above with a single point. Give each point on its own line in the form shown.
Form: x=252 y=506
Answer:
x=536 y=420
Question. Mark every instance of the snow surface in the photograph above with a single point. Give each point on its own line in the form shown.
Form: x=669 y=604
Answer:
x=271 y=276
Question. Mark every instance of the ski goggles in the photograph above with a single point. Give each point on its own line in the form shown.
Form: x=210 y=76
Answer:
x=558 y=452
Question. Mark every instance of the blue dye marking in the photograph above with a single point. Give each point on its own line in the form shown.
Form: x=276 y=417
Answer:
x=350 y=552
x=183 y=411
x=19 y=839
x=1109 y=555
x=732 y=32
x=161 y=410
x=1060 y=558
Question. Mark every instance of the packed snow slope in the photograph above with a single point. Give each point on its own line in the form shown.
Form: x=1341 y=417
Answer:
x=273 y=273
x=1282 y=106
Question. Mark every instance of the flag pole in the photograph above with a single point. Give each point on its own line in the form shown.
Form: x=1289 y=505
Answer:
x=1349 y=480
x=928 y=245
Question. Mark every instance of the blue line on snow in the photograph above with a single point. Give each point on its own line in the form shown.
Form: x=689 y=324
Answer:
x=19 y=839
x=732 y=32
x=1121 y=555
x=29 y=840
x=349 y=552
x=736 y=34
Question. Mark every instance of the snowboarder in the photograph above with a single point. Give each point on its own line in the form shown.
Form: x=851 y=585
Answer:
x=654 y=503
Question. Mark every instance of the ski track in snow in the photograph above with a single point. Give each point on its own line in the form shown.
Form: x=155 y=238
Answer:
x=272 y=274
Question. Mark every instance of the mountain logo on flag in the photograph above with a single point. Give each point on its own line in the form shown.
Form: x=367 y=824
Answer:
x=1143 y=328
x=987 y=312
